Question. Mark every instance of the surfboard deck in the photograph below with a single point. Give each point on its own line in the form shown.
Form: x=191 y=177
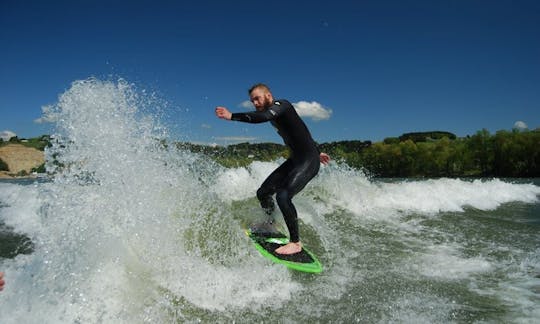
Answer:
x=267 y=243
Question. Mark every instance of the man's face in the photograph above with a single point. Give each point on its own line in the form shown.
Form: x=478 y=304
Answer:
x=261 y=99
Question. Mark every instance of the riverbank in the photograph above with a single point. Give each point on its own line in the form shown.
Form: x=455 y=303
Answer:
x=20 y=160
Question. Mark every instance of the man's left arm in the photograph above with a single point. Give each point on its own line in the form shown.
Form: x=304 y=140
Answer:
x=223 y=113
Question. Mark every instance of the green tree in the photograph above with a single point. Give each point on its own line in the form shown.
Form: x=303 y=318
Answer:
x=481 y=146
x=3 y=166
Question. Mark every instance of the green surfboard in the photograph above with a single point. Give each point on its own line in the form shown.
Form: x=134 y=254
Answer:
x=267 y=243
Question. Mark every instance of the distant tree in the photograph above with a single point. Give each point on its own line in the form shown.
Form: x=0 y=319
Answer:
x=3 y=166
x=481 y=147
x=409 y=158
x=391 y=140
x=460 y=161
x=425 y=136
x=39 y=169
x=22 y=173
x=516 y=153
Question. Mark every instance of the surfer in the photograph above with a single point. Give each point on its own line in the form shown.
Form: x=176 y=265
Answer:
x=302 y=165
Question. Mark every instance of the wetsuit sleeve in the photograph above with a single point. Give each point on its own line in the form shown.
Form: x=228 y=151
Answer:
x=260 y=116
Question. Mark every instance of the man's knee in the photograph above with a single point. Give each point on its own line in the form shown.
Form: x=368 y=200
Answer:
x=266 y=201
x=283 y=197
x=263 y=194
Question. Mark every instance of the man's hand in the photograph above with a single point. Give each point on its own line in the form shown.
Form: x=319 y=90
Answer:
x=324 y=158
x=2 y=282
x=223 y=113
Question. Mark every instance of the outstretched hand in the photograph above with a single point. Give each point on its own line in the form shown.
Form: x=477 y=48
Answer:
x=223 y=113
x=2 y=282
x=324 y=158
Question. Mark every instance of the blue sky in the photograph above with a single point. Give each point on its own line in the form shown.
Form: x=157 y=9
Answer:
x=376 y=68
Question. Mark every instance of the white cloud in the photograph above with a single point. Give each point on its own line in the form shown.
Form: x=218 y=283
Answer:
x=40 y=120
x=7 y=135
x=48 y=115
x=247 y=104
x=206 y=126
x=313 y=110
x=520 y=125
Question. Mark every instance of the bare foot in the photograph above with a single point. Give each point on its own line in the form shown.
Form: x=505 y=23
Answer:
x=290 y=248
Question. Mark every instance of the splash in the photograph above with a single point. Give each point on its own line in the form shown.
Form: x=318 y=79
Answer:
x=128 y=228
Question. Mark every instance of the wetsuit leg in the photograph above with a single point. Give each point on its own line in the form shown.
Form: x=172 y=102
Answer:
x=271 y=184
x=296 y=180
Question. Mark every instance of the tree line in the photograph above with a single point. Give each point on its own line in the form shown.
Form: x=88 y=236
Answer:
x=424 y=154
x=503 y=154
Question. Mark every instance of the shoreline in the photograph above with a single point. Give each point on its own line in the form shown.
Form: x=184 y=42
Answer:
x=4 y=175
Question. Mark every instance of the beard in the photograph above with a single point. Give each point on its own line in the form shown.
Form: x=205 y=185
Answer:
x=268 y=102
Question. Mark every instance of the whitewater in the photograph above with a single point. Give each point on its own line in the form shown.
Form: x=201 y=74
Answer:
x=130 y=229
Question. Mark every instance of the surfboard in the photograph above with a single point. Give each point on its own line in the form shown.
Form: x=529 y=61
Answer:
x=267 y=243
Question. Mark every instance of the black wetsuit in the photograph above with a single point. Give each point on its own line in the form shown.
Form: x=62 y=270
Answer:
x=293 y=175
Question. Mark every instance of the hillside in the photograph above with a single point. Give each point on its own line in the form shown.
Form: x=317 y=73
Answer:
x=20 y=160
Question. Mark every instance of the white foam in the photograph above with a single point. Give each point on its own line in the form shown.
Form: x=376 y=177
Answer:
x=520 y=290
x=419 y=308
x=237 y=184
x=353 y=191
x=218 y=288
x=22 y=207
x=443 y=261
x=127 y=227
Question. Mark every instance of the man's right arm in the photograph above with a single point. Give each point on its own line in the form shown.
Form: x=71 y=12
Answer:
x=254 y=117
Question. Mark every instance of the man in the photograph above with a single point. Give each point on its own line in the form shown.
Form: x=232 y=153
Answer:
x=293 y=175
